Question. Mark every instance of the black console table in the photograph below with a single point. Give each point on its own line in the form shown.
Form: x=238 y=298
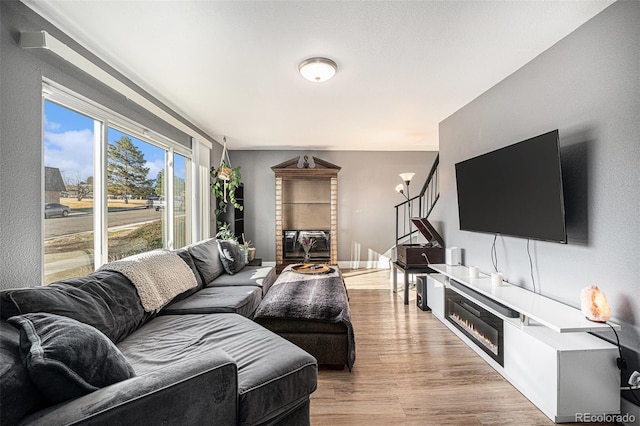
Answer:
x=407 y=270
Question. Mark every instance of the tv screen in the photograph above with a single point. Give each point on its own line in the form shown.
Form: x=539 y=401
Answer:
x=515 y=191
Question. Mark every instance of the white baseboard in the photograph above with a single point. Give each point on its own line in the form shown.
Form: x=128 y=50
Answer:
x=348 y=264
x=381 y=263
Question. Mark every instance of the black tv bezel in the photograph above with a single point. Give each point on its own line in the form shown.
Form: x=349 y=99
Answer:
x=561 y=189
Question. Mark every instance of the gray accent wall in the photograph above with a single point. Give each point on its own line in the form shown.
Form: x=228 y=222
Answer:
x=366 y=196
x=21 y=74
x=588 y=87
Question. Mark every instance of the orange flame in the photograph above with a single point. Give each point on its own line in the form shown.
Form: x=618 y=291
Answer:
x=471 y=329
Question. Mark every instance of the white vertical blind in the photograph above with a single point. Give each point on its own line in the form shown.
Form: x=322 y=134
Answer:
x=200 y=195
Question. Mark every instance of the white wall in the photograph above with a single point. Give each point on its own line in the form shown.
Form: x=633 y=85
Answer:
x=587 y=86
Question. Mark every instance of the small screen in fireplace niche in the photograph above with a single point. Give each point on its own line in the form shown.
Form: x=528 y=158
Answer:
x=297 y=242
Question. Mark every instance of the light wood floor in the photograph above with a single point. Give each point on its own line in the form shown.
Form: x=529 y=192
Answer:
x=411 y=370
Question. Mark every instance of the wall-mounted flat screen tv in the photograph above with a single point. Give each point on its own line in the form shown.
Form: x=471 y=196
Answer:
x=515 y=191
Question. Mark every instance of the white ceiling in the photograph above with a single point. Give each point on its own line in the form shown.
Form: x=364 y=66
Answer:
x=230 y=67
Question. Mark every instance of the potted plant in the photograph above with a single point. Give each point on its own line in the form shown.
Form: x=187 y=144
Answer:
x=252 y=254
x=223 y=190
x=307 y=244
x=224 y=233
x=225 y=179
x=248 y=251
x=224 y=170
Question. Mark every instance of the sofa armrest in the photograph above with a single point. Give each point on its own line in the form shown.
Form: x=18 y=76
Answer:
x=194 y=391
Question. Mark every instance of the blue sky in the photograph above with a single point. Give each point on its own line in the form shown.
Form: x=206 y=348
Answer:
x=68 y=144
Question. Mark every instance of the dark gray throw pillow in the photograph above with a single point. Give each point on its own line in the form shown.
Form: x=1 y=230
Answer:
x=207 y=259
x=66 y=358
x=18 y=394
x=184 y=255
x=231 y=256
x=105 y=300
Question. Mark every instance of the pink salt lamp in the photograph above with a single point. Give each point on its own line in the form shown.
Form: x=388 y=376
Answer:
x=594 y=304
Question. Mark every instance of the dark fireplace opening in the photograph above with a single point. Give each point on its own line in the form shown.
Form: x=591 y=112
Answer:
x=478 y=324
x=294 y=242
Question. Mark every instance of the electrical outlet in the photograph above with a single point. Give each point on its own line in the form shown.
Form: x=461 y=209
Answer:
x=634 y=380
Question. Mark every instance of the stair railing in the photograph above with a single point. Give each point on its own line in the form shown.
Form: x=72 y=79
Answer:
x=430 y=192
x=420 y=205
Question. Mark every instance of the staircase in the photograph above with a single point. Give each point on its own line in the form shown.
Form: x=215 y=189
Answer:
x=420 y=205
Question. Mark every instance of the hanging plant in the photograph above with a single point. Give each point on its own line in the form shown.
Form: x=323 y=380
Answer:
x=224 y=171
x=224 y=181
x=225 y=190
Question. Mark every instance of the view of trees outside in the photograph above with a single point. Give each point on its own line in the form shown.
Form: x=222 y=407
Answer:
x=126 y=171
x=158 y=186
x=135 y=186
x=130 y=163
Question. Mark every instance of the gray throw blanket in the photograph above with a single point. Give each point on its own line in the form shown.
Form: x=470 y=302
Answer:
x=310 y=297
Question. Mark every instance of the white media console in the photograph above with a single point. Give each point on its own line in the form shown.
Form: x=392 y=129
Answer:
x=549 y=355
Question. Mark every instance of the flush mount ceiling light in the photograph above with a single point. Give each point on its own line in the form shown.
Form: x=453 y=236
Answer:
x=317 y=69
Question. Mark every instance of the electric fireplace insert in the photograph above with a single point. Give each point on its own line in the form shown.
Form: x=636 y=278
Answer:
x=317 y=242
x=482 y=327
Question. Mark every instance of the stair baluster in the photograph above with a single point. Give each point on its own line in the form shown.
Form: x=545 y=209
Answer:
x=425 y=200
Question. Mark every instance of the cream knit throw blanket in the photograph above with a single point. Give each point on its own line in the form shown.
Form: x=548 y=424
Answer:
x=158 y=275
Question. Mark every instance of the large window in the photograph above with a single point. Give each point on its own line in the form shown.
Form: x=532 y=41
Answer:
x=112 y=189
x=68 y=193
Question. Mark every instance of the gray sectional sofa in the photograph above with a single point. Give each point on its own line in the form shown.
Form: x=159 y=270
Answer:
x=88 y=350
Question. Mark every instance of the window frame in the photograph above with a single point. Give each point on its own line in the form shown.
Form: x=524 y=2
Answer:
x=104 y=118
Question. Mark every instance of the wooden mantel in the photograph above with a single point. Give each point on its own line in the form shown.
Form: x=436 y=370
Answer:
x=287 y=174
x=321 y=169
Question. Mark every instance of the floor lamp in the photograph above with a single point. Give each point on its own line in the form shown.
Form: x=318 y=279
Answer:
x=406 y=177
